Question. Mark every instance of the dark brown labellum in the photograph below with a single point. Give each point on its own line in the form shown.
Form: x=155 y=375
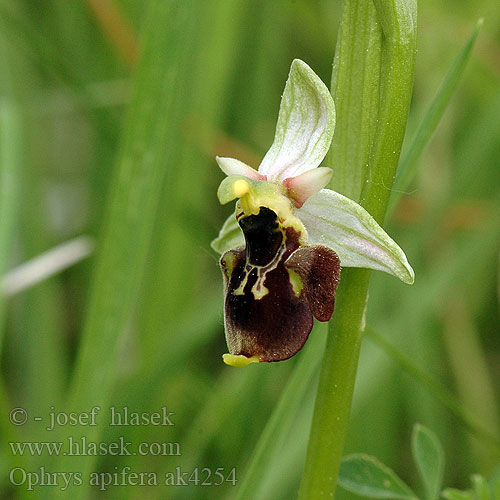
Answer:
x=273 y=287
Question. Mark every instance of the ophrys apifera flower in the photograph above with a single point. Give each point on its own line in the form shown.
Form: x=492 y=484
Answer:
x=283 y=248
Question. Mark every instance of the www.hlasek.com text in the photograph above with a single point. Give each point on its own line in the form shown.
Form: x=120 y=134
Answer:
x=81 y=446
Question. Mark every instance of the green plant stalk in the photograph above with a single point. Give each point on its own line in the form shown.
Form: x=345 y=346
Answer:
x=333 y=404
x=355 y=79
x=261 y=459
x=335 y=389
x=399 y=26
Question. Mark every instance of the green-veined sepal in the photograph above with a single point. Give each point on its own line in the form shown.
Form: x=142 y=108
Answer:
x=305 y=127
x=340 y=223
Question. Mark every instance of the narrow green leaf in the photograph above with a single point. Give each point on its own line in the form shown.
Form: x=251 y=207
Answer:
x=432 y=117
x=10 y=157
x=128 y=226
x=429 y=458
x=366 y=476
x=179 y=266
x=435 y=388
x=137 y=187
x=498 y=283
x=10 y=163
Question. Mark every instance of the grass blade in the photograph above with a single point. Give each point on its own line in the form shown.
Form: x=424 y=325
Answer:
x=10 y=146
x=279 y=423
x=46 y=265
x=435 y=388
x=130 y=216
x=429 y=123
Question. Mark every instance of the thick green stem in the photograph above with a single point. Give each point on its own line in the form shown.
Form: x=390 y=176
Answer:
x=336 y=385
x=398 y=19
x=390 y=68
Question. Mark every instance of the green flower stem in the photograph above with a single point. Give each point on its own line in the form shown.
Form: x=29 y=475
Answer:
x=399 y=26
x=397 y=21
x=355 y=79
x=336 y=385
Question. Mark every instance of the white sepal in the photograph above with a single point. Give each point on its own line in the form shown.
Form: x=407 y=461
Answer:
x=305 y=125
x=232 y=166
x=340 y=223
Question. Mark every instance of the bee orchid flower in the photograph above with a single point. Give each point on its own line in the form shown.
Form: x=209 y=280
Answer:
x=283 y=248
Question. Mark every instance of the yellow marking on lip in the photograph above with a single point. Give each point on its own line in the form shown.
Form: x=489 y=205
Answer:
x=239 y=359
x=296 y=282
x=229 y=262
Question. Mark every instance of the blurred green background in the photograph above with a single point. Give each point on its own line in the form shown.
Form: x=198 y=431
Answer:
x=69 y=117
